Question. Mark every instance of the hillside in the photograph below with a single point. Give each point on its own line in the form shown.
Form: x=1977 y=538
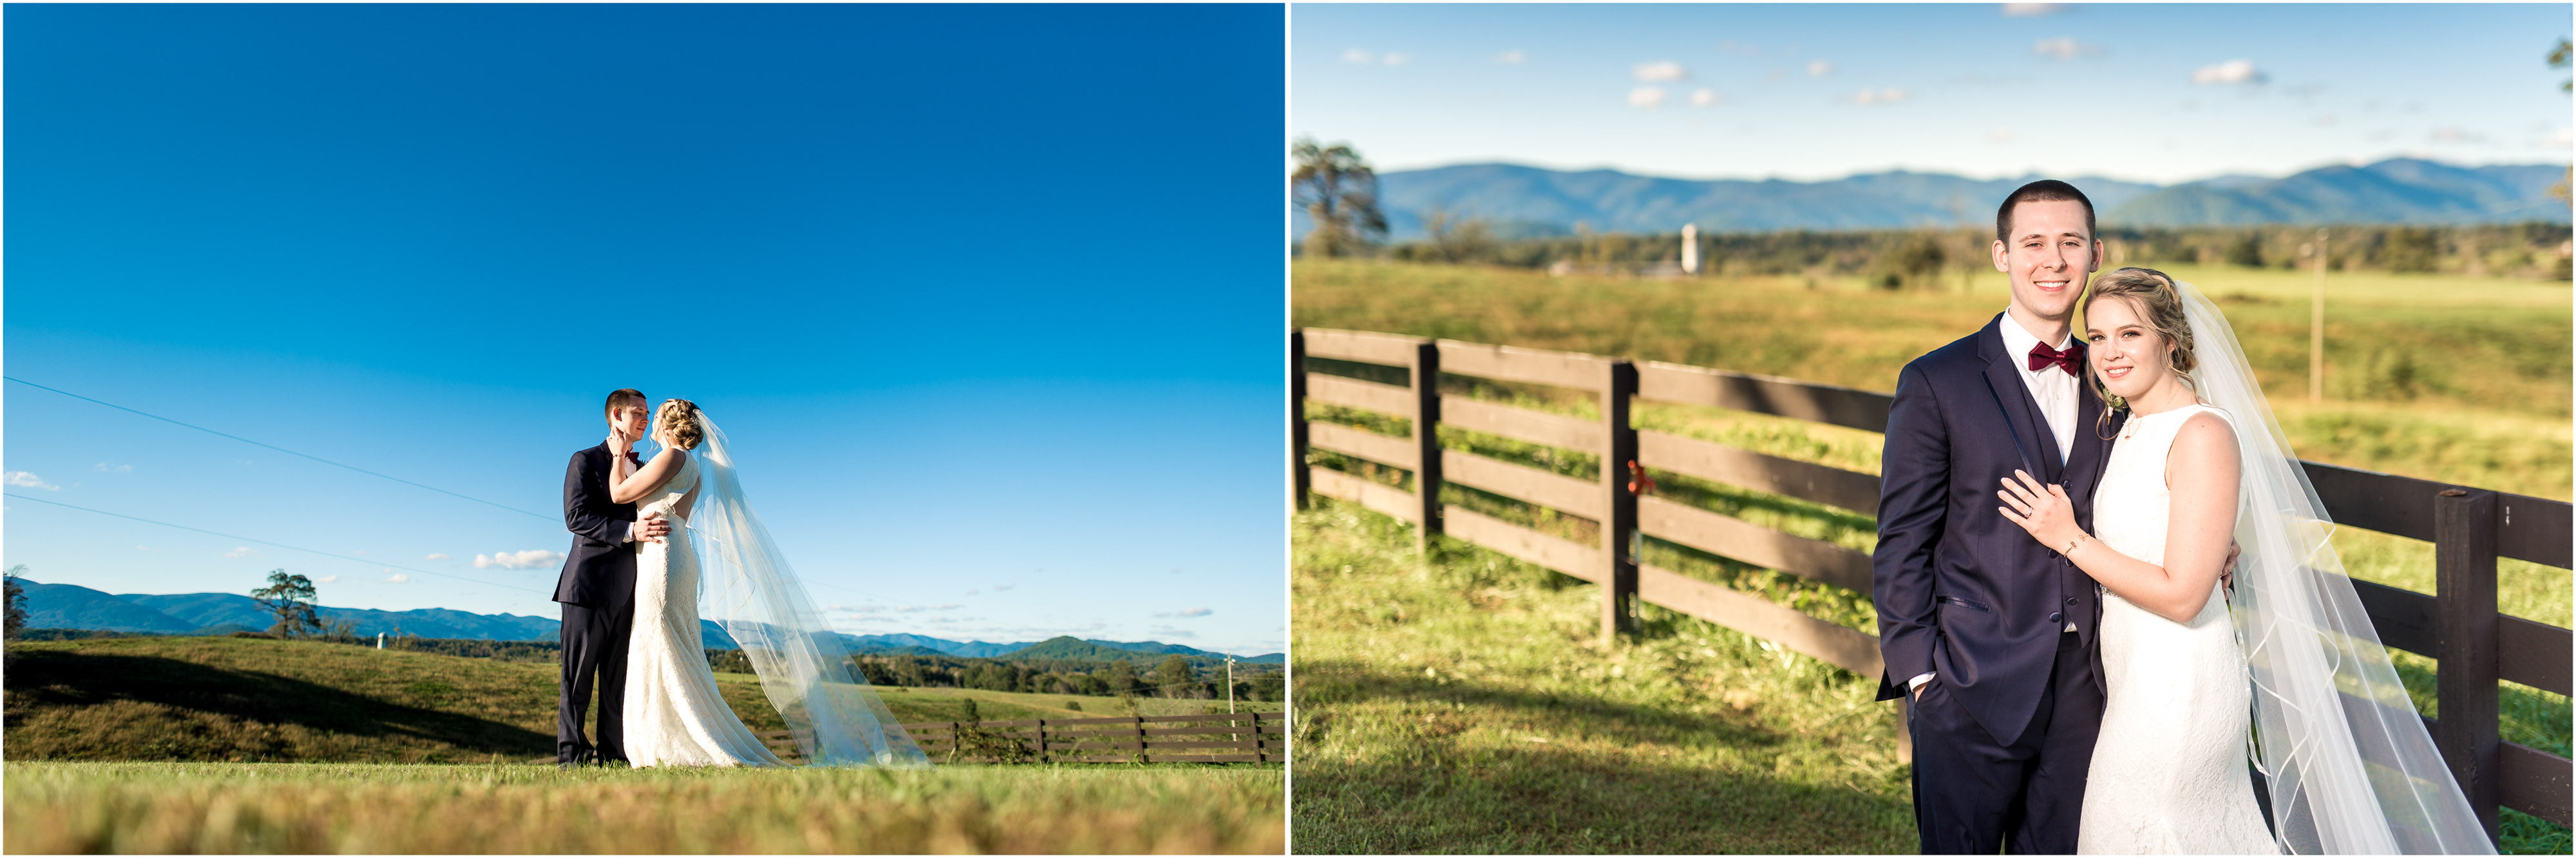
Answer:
x=70 y=606
x=251 y=699
x=1525 y=201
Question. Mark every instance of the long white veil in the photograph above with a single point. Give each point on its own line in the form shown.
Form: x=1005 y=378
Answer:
x=751 y=593
x=2351 y=768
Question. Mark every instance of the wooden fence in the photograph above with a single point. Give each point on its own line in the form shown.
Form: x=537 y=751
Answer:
x=1250 y=737
x=2459 y=627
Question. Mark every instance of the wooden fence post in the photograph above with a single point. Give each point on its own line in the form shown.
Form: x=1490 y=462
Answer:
x=1426 y=441
x=2464 y=568
x=1300 y=482
x=1619 y=527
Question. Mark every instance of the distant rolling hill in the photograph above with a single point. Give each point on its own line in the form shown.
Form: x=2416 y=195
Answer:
x=1525 y=201
x=69 y=606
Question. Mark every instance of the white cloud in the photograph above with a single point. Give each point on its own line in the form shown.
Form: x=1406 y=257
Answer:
x=1890 y=95
x=141 y=548
x=2564 y=138
x=1396 y=59
x=1999 y=135
x=2064 y=48
x=1170 y=632
x=244 y=551
x=1355 y=55
x=2231 y=71
x=1703 y=97
x=1819 y=68
x=1648 y=97
x=326 y=579
x=1511 y=57
x=1660 y=71
x=2457 y=135
x=1734 y=48
x=974 y=591
x=530 y=559
x=27 y=480
x=2324 y=120
x=1003 y=588
x=397 y=577
x=116 y=469
x=433 y=557
x=2026 y=10
x=1185 y=612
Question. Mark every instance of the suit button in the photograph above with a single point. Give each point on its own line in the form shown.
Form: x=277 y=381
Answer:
x=2055 y=617
x=2070 y=600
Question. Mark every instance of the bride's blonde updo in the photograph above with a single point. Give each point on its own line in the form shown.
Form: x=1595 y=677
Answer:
x=2152 y=294
x=679 y=417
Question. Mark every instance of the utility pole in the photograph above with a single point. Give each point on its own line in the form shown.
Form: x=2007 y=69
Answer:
x=2317 y=328
x=1229 y=685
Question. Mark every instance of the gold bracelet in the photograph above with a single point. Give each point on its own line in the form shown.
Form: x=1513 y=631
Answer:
x=2072 y=544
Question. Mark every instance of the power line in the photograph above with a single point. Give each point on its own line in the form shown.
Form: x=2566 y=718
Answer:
x=16 y=496
x=277 y=448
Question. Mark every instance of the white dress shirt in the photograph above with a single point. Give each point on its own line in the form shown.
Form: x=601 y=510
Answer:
x=2052 y=388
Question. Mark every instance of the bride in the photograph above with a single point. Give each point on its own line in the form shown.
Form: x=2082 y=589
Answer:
x=2192 y=671
x=675 y=714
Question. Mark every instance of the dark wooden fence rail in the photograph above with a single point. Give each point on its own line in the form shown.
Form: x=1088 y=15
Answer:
x=2458 y=626
x=1249 y=737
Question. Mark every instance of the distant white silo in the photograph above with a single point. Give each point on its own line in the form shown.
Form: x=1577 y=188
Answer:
x=380 y=640
x=1690 y=248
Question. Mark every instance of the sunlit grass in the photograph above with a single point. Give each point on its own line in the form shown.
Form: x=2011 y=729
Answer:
x=56 y=807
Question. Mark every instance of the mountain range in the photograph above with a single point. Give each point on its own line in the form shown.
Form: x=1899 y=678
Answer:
x=1520 y=201
x=70 y=606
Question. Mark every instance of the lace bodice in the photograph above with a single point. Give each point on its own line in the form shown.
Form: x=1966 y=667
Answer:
x=666 y=499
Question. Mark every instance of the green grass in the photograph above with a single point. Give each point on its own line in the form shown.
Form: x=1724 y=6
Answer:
x=261 y=700
x=2444 y=377
x=57 y=807
x=1462 y=703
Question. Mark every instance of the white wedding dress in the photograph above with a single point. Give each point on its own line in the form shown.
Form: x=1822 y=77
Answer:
x=2169 y=769
x=675 y=714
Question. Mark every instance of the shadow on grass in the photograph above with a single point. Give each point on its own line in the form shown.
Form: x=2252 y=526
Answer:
x=55 y=680
x=1609 y=777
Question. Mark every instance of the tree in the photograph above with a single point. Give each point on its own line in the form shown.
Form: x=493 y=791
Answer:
x=290 y=597
x=1339 y=192
x=16 y=600
x=1122 y=677
x=1457 y=239
x=1172 y=675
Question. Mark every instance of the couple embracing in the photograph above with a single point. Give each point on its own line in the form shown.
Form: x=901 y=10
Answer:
x=649 y=535
x=2104 y=582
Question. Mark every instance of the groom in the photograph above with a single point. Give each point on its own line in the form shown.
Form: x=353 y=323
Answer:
x=1991 y=632
x=598 y=588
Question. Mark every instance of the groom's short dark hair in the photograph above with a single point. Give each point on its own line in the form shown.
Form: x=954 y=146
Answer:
x=623 y=396
x=2042 y=191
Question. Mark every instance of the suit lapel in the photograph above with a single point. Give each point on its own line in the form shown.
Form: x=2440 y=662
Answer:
x=2038 y=446
x=2084 y=466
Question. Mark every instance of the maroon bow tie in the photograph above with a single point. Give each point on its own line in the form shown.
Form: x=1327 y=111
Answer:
x=638 y=458
x=2071 y=360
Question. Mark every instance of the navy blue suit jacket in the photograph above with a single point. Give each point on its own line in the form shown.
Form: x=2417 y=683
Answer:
x=600 y=571
x=1961 y=591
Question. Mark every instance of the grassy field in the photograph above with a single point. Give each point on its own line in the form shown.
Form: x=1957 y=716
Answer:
x=58 y=807
x=1372 y=617
x=260 y=700
x=2443 y=377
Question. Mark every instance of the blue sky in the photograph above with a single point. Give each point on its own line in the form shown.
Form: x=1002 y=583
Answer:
x=2159 y=93
x=988 y=298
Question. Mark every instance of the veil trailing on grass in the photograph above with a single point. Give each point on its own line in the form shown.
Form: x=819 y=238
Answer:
x=2351 y=768
x=751 y=593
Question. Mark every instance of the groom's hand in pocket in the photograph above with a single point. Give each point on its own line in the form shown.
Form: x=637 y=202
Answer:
x=652 y=527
